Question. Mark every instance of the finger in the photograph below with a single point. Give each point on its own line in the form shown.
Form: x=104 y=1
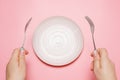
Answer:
x=92 y=54
x=92 y=66
x=15 y=54
x=103 y=53
x=23 y=51
x=96 y=61
x=22 y=60
x=104 y=57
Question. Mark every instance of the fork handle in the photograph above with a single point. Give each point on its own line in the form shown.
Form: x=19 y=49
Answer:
x=95 y=52
x=22 y=50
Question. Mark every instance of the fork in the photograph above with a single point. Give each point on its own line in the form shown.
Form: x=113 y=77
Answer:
x=92 y=27
x=25 y=29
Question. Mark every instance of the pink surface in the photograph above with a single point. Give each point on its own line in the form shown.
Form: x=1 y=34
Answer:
x=15 y=13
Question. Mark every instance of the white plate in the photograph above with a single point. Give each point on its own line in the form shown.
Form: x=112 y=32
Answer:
x=58 y=41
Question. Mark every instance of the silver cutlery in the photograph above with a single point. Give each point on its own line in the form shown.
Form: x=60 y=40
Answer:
x=25 y=29
x=92 y=27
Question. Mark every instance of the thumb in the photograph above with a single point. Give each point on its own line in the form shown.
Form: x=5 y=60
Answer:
x=96 y=60
x=22 y=58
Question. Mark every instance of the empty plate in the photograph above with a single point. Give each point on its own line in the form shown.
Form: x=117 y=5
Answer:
x=58 y=41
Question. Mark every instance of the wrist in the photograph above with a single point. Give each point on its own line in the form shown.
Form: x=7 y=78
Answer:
x=15 y=79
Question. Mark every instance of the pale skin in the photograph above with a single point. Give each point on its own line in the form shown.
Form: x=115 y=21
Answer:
x=16 y=67
x=101 y=65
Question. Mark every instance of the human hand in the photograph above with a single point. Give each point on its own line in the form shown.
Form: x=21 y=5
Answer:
x=16 y=67
x=102 y=66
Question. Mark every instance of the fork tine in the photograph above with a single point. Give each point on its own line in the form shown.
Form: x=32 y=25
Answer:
x=27 y=24
x=92 y=29
x=89 y=21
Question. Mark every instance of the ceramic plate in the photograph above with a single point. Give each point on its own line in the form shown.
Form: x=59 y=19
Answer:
x=58 y=41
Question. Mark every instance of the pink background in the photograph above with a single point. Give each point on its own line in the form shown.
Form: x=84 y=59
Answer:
x=15 y=13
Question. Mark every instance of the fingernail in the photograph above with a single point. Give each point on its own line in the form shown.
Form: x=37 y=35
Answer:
x=26 y=52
